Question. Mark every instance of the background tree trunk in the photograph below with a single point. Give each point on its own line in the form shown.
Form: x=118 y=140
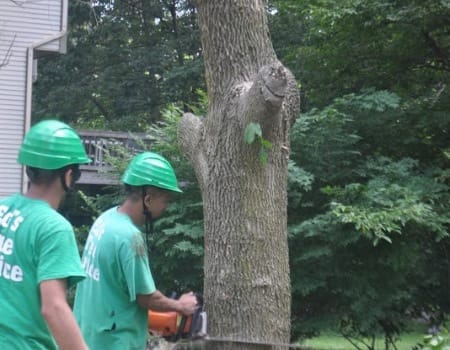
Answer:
x=247 y=284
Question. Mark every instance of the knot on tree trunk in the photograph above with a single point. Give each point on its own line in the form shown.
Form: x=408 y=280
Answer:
x=270 y=87
x=275 y=79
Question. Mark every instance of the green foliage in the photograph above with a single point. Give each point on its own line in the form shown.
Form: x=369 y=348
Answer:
x=299 y=181
x=369 y=154
x=176 y=244
x=124 y=63
x=325 y=135
x=337 y=47
x=253 y=133
x=199 y=107
x=395 y=196
x=176 y=250
x=339 y=277
x=439 y=341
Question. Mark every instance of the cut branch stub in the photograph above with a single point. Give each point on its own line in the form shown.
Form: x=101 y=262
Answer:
x=275 y=80
x=265 y=98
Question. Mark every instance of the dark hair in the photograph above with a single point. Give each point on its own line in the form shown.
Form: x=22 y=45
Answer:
x=135 y=193
x=40 y=176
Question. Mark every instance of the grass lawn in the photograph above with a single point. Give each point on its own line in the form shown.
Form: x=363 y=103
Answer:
x=336 y=342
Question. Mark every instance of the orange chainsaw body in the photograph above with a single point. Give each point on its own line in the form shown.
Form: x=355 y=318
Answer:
x=166 y=324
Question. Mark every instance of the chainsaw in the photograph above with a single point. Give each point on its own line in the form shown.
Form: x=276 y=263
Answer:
x=173 y=326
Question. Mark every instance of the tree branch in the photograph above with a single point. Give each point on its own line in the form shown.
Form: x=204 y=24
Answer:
x=265 y=97
x=190 y=130
x=100 y=107
x=440 y=54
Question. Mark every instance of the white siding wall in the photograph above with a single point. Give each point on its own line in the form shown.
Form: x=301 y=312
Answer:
x=23 y=24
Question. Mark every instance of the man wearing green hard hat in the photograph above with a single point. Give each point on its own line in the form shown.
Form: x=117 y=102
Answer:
x=112 y=304
x=39 y=257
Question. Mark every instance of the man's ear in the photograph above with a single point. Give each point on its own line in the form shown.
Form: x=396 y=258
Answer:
x=147 y=200
x=68 y=178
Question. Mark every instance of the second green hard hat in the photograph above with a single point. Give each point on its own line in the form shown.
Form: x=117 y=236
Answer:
x=51 y=144
x=151 y=169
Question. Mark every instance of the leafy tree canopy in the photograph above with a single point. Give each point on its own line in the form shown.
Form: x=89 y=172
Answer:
x=124 y=63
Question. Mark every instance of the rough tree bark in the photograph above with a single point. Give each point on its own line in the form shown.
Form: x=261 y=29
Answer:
x=247 y=283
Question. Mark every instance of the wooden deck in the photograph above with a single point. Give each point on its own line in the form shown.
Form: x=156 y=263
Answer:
x=99 y=144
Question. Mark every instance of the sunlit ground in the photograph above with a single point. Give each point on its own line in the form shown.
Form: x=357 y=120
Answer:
x=335 y=342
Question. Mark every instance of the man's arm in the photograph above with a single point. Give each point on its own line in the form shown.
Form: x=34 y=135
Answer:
x=157 y=301
x=59 y=317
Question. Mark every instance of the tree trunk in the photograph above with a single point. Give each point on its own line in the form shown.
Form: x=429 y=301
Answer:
x=247 y=284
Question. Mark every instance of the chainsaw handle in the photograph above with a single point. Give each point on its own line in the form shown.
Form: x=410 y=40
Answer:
x=177 y=336
x=179 y=333
x=184 y=319
x=195 y=317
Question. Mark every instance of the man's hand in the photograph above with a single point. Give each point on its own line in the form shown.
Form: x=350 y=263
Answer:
x=156 y=301
x=188 y=304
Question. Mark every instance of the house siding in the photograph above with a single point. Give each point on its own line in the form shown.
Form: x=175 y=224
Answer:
x=24 y=25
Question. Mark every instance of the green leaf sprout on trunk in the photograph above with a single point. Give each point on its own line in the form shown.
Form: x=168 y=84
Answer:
x=253 y=133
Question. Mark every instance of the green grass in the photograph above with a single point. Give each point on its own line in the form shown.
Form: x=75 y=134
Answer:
x=336 y=342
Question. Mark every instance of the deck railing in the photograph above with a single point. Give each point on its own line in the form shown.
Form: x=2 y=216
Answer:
x=98 y=144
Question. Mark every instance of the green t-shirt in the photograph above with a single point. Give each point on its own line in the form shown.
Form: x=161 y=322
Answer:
x=36 y=244
x=115 y=260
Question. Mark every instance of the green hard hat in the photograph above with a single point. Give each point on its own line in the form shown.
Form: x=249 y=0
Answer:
x=51 y=144
x=151 y=169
